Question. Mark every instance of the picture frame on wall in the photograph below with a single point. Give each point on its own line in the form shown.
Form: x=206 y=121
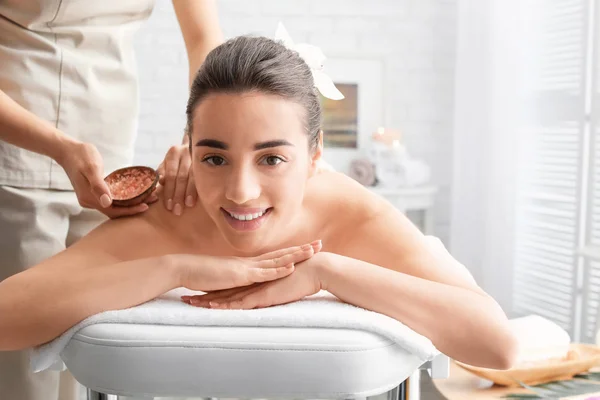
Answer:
x=340 y=118
x=348 y=123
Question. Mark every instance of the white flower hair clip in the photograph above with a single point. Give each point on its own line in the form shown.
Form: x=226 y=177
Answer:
x=314 y=57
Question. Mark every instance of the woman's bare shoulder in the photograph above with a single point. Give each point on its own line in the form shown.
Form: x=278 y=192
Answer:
x=337 y=191
x=339 y=203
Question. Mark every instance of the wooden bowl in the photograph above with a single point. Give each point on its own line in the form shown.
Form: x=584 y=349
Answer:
x=581 y=358
x=130 y=186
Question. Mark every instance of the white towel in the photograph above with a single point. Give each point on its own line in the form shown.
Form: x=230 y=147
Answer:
x=539 y=339
x=319 y=310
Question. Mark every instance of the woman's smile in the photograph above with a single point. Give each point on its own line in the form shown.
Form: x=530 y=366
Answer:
x=246 y=219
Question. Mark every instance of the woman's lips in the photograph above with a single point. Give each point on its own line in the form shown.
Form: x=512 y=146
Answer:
x=249 y=225
x=245 y=210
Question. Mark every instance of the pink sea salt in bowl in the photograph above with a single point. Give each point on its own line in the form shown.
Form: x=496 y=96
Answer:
x=130 y=186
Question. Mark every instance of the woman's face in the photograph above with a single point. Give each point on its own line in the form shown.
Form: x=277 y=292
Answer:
x=251 y=163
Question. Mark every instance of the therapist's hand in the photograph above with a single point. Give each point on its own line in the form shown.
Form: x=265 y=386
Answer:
x=83 y=164
x=177 y=180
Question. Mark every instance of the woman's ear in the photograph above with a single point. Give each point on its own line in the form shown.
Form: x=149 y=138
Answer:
x=317 y=155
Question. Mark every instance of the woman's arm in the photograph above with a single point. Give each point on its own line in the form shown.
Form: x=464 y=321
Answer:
x=425 y=288
x=465 y=325
x=42 y=302
x=119 y=265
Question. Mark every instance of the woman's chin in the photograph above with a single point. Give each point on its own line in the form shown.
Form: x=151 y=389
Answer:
x=247 y=245
x=249 y=238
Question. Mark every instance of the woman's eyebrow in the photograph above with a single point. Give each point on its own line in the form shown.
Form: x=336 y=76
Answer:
x=217 y=144
x=271 y=143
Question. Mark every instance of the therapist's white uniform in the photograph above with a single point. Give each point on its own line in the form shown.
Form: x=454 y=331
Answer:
x=71 y=63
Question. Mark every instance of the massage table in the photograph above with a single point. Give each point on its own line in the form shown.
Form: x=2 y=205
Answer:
x=315 y=348
x=240 y=362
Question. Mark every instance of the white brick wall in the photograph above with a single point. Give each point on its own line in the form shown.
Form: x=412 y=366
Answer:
x=413 y=39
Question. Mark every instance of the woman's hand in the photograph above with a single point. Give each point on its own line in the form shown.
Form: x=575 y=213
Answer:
x=209 y=273
x=177 y=179
x=83 y=164
x=305 y=281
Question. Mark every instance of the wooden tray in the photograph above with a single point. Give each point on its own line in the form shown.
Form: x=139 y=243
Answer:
x=581 y=358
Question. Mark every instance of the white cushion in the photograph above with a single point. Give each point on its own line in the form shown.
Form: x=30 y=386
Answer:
x=265 y=362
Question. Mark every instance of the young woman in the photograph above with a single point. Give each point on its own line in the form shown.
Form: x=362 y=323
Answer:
x=255 y=139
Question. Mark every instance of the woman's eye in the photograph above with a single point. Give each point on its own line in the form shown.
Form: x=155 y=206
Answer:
x=214 y=160
x=272 y=160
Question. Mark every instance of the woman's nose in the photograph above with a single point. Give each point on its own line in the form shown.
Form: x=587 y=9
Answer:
x=242 y=186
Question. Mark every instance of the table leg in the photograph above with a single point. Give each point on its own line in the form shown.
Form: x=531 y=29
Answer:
x=93 y=395
x=398 y=393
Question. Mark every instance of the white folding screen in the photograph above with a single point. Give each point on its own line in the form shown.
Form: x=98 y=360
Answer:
x=590 y=253
x=551 y=218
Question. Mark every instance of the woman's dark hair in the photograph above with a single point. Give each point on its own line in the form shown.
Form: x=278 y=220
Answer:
x=245 y=64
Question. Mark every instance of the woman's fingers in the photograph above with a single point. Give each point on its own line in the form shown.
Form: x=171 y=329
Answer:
x=245 y=273
x=242 y=300
x=263 y=296
x=276 y=253
x=221 y=293
x=303 y=253
x=205 y=300
x=256 y=275
x=289 y=250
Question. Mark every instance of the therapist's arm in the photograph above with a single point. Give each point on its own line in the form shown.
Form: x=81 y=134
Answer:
x=81 y=161
x=199 y=23
x=24 y=129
